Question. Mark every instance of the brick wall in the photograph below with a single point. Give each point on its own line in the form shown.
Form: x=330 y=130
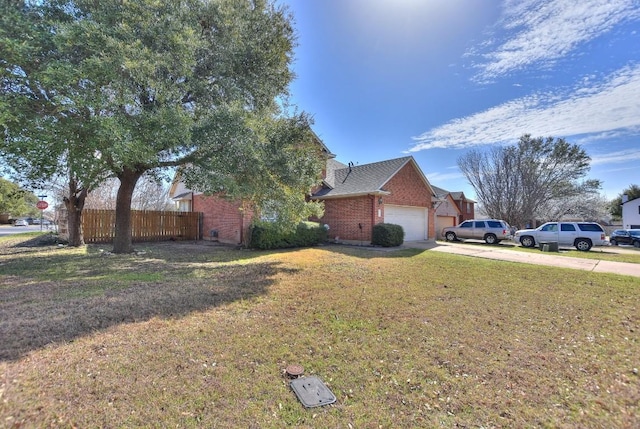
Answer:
x=350 y=218
x=407 y=189
x=224 y=216
x=464 y=214
x=467 y=211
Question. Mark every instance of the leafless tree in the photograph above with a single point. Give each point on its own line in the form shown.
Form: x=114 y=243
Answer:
x=150 y=194
x=103 y=197
x=519 y=183
x=592 y=207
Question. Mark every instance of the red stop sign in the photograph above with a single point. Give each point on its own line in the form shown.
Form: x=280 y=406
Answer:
x=42 y=205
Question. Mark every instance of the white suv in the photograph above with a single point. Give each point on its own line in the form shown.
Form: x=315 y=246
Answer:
x=492 y=231
x=581 y=235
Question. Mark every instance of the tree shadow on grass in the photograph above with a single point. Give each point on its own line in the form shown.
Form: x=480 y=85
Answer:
x=90 y=292
x=50 y=295
x=372 y=252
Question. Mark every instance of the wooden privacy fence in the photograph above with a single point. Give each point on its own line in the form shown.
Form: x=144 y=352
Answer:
x=99 y=226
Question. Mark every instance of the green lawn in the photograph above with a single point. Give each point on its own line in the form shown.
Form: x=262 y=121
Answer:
x=192 y=335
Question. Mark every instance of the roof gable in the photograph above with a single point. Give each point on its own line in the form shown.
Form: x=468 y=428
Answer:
x=440 y=193
x=635 y=200
x=459 y=196
x=353 y=180
x=323 y=147
x=330 y=175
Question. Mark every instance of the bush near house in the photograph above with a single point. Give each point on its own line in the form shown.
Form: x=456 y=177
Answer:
x=266 y=235
x=387 y=235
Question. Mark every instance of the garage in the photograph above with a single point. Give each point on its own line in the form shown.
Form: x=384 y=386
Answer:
x=444 y=222
x=413 y=220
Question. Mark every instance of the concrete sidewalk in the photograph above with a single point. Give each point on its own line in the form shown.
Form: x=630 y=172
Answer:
x=549 y=259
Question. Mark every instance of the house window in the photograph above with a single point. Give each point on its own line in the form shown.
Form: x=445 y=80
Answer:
x=184 y=205
x=468 y=207
x=269 y=212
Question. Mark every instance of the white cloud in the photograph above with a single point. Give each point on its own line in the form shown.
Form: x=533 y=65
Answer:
x=617 y=157
x=444 y=177
x=589 y=108
x=542 y=31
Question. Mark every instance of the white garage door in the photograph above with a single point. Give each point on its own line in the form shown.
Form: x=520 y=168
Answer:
x=412 y=219
x=443 y=222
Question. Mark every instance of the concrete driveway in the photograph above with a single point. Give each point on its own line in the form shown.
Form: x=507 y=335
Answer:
x=503 y=253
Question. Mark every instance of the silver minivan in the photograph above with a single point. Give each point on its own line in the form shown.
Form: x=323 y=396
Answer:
x=492 y=231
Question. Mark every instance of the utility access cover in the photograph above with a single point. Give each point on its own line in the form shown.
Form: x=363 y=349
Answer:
x=312 y=392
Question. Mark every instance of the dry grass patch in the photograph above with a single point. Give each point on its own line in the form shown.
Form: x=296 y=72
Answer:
x=196 y=336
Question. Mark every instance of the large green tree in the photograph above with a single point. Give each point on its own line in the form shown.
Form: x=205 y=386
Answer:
x=533 y=179
x=121 y=89
x=615 y=205
x=15 y=201
x=46 y=132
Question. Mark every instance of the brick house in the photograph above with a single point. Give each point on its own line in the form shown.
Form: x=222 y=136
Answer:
x=447 y=210
x=355 y=198
x=466 y=206
x=223 y=220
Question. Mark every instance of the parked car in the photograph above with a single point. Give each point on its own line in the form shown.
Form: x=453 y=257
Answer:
x=581 y=235
x=625 y=236
x=20 y=222
x=492 y=231
x=37 y=221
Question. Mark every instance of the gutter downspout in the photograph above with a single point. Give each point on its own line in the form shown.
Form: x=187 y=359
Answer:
x=242 y=223
x=373 y=215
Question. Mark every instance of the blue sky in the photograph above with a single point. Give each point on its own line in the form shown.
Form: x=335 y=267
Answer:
x=436 y=78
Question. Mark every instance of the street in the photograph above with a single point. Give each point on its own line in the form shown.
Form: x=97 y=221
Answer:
x=10 y=229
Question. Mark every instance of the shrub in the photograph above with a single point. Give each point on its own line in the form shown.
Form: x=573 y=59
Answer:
x=387 y=235
x=266 y=235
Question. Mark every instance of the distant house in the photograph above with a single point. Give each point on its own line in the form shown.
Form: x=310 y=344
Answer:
x=631 y=214
x=447 y=210
x=466 y=206
x=356 y=197
x=452 y=209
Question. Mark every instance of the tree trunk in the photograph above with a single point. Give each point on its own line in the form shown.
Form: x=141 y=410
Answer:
x=122 y=242
x=74 y=204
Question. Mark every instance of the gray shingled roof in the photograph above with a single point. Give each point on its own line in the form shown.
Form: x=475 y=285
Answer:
x=332 y=166
x=440 y=193
x=456 y=195
x=460 y=196
x=344 y=180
